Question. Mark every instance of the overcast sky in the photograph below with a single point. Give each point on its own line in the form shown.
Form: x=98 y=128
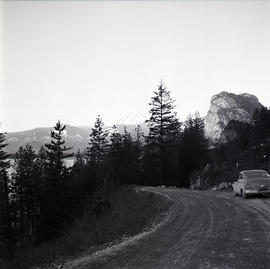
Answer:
x=73 y=60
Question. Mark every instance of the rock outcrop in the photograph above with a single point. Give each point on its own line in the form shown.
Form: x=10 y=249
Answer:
x=225 y=107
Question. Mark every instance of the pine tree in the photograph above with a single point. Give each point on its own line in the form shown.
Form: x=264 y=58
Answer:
x=261 y=121
x=24 y=188
x=40 y=170
x=41 y=162
x=56 y=152
x=138 y=152
x=79 y=163
x=4 y=162
x=128 y=159
x=57 y=182
x=193 y=150
x=124 y=158
x=115 y=158
x=6 y=240
x=164 y=127
x=97 y=150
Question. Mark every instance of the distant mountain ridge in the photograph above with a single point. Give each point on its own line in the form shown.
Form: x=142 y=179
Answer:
x=225 y=107
x=75 y=137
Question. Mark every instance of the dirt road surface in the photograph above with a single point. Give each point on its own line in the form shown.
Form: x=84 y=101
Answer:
x=205 y=229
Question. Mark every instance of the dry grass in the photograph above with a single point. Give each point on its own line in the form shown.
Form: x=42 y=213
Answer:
x=130 y=212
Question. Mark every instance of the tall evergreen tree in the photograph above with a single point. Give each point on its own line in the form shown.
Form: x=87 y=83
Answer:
x=6 y=241
x=261 y=121
x=164 y=127
x=124 y=158
x=24 y=186
x=115 y=157
x=56 y=181
x=97 y=150
x=193 y=149
x=56 y=152
x=138 y=153
x=82 y=185
x=41 y=163
x=130 y=158
x=4 y=162
x=40 y=188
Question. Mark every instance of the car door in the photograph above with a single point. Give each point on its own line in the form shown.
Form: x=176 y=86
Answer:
x=235 y=187
x=239 y=184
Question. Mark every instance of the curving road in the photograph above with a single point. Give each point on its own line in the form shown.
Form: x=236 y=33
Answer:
x=205 y=229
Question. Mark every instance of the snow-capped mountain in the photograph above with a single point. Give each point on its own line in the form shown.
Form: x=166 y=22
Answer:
x=132 y=119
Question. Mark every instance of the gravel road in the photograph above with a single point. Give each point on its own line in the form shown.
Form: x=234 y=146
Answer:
x=205 y=229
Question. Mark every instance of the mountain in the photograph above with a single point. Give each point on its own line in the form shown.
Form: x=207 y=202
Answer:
x=132 y=119
x=225 y=107
x=76 y=137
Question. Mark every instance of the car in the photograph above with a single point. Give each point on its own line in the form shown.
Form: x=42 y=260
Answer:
x=252 y=182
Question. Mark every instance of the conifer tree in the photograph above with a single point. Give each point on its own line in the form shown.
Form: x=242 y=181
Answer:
x=4 y=162
x=115 y=158
x=41 y=164
x=6 y=240
x=98 y=144
x=57 y=151
x=124 y=157
x=56 y=181
x=97 y=151
x=261 y=121
x=193 y=150
x=79 y=163
x=24 y=188
x=128 y=158
x=138 y=152
x=40 y=174
x=164 y=127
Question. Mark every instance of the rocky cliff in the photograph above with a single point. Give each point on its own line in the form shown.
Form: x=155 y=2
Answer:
x=225 y=107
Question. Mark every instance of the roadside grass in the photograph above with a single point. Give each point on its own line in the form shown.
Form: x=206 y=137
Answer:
x=130 y=211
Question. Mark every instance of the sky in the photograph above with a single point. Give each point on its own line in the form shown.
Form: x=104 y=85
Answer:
x=75 y=60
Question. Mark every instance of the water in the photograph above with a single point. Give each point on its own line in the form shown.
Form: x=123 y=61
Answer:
x=68 y=162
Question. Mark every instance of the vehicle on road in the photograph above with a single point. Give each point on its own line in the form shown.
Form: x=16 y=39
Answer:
x=252 y=182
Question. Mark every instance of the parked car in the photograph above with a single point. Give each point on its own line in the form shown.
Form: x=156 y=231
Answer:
x=252 y=182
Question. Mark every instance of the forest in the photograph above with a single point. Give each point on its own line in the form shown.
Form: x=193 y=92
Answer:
x=42 y=196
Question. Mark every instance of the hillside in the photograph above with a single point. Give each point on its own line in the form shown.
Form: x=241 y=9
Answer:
x=75 y=137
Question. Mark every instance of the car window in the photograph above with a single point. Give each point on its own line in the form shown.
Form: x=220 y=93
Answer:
x=256 y=174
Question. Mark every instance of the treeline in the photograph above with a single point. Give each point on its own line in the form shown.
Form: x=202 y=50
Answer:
x=243 y=146
x=42 y=195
